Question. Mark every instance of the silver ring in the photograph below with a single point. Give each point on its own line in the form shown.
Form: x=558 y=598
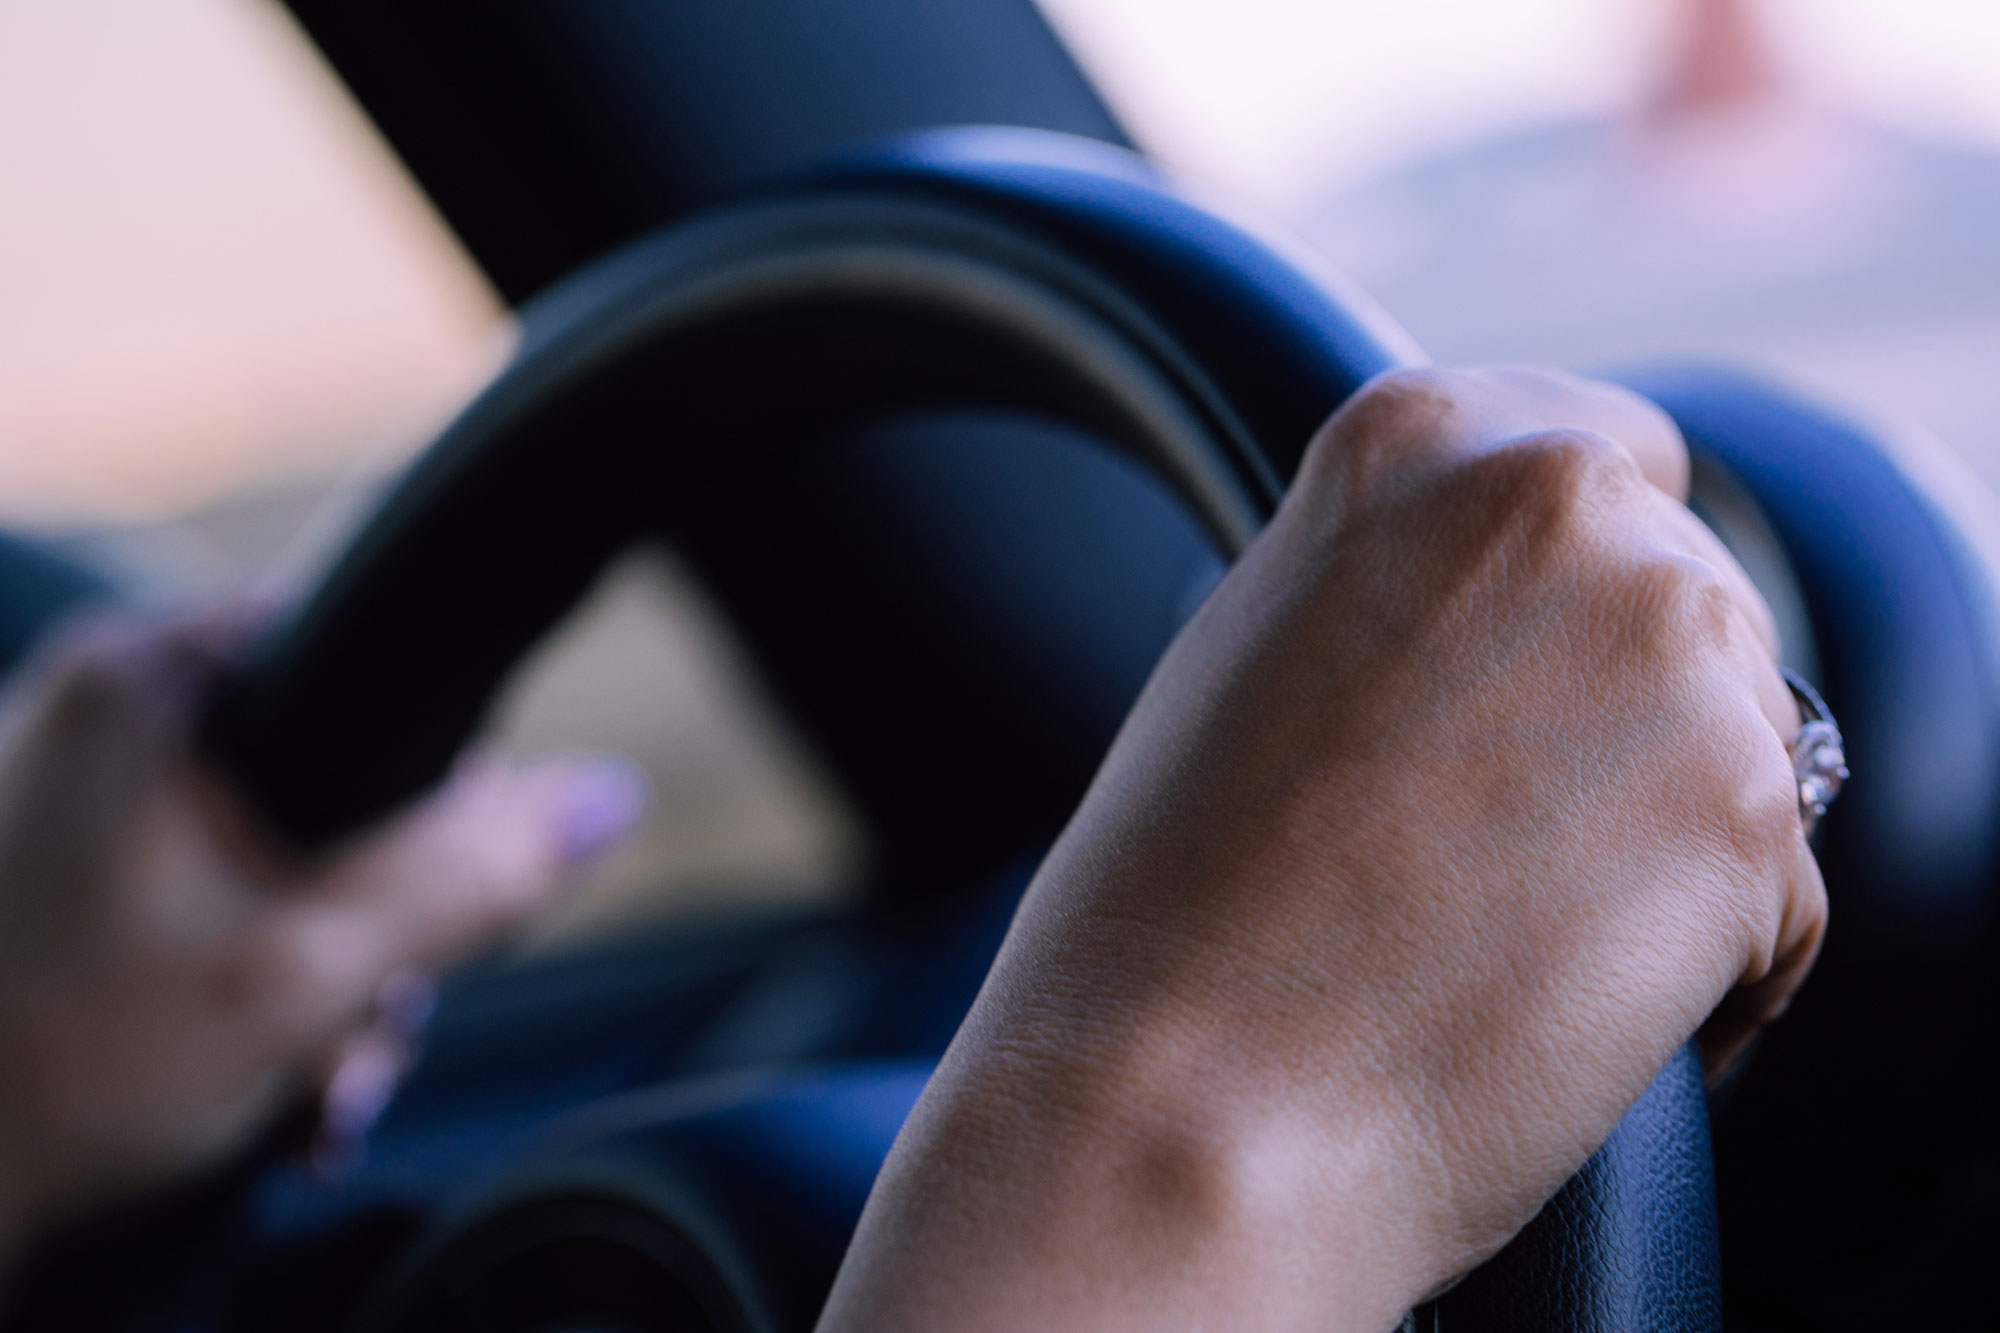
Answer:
x=1819 y=759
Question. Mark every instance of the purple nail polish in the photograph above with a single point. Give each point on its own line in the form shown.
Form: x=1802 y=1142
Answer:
x=600 y=806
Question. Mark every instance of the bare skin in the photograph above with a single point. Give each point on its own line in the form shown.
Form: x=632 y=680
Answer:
x=1457 y=808
x=166 y=984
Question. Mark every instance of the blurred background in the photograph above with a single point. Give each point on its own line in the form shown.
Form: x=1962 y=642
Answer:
x=226 y=314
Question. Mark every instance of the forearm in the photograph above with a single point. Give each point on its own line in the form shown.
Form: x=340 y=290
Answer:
x=1111 y=1181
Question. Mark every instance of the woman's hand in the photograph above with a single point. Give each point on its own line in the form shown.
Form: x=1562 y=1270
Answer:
x=165 y=984
x=1461 y=803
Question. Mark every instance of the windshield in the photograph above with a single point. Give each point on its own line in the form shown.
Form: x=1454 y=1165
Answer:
x=1810 y=187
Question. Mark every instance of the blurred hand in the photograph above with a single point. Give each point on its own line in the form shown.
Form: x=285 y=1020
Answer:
x=1461 y=803
x=165 y=983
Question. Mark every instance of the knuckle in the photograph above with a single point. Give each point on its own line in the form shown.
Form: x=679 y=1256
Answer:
x=1557 y=487
x=1765 y=834
x=493 y=902
x=1667 y=627
x=1811 y=908
x=1400 y=404
x=496 y=894
x=1736 y=824
x=262 y=971
x=94 y=666
x=1391 y=416
x=1423 y=390
x=1568 y=467
x=514 y=893
x=102 y=670
x=1678 y=605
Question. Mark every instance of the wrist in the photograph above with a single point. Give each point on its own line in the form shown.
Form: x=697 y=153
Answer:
x=1128 y=1182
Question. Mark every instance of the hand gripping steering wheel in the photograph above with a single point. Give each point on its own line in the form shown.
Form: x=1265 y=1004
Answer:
x=995 y=268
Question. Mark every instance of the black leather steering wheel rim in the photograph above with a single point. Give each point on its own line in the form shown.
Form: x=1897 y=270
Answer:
x=997 y=268
x=918 y=278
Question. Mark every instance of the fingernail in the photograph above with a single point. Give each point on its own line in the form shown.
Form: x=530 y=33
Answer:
x=600 y=805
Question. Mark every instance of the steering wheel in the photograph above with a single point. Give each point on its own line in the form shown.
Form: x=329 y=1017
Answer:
x=999 y=268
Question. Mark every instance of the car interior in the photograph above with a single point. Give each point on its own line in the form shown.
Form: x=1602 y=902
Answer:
x=871 y=316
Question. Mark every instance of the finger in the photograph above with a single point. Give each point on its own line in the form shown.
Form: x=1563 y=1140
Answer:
x=219 y=634
x=1763 y=997
x=99 y=668
x=1553 y=400
x=1397 y=419
x=486 y=852
x=88 y=728
x=1774 y=697
x=1699 y=540
x=404 y=1004
x=356 y=1087
x=1402 y=422
x=452 y=877
x=139 y=657
x=1756 y=666
x=1757 y=646
x=108 y=701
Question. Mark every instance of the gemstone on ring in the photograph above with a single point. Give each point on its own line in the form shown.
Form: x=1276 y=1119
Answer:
x=1819 y=758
